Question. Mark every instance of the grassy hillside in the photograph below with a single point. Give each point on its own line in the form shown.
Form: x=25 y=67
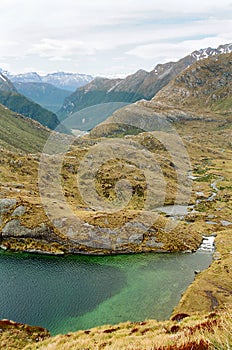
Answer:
x=19 y=133
x=20 y=104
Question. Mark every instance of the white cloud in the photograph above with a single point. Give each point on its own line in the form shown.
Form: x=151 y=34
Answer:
x=60 y=49
x=90 y=35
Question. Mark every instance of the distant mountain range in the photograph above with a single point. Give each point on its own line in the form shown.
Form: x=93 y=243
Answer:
x=61 y=80
x=50 y=90
x=141 y=85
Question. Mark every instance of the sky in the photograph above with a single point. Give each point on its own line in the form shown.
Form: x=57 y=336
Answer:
x=107 y=38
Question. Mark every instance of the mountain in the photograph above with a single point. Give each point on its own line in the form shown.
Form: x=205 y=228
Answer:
x=141 y=85
x=201 y=92
x=24 y=77
x=18 y=103
x=47 y=95
x=61 y=80
x=205 y=86
x=103 y=90
x=67 y=81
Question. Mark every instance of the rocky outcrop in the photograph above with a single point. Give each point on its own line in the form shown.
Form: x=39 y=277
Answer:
x=6 y=204
x=14 y=228
x=96 y=235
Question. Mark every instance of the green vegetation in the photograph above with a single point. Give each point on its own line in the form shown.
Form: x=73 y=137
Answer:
x=21 y=134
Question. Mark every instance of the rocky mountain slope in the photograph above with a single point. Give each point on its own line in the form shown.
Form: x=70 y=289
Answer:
x=46 y=95
x=206 y=85
x=61 y=80
x=141 y=85
x=18 y=103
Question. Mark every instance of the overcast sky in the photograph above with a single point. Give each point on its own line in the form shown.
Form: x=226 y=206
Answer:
x=109 y=38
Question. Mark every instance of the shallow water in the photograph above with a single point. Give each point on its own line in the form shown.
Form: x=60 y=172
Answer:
x=69 y=293
x=175 y=210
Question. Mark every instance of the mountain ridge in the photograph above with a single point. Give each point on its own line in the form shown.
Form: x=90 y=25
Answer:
x=62 y=80
x=137 y=86
x=202 y=91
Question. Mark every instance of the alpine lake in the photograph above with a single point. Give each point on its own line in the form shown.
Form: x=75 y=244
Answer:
x=69 y=293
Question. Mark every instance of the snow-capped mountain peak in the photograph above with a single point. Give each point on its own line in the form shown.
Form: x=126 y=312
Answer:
x=68 y=81
x=62 y=80
x=205 y=53
x=25 y=77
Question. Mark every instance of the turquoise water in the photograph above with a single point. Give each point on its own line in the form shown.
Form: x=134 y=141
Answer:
x=69 y=293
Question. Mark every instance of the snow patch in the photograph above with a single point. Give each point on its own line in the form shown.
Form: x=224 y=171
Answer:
x=2 y=77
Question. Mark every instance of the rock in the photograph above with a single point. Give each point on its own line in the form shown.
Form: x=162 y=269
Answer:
x=37 y=251
x=179 y=317
x=6 y=204
x=217 y=256
x=137 y=238
x=225 y=223
x=152 y=243
x=19 y=211
x=211 y=216
x=59 y=223
x=14 y=228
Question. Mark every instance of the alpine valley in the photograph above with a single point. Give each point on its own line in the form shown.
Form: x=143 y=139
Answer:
x=165 y=188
